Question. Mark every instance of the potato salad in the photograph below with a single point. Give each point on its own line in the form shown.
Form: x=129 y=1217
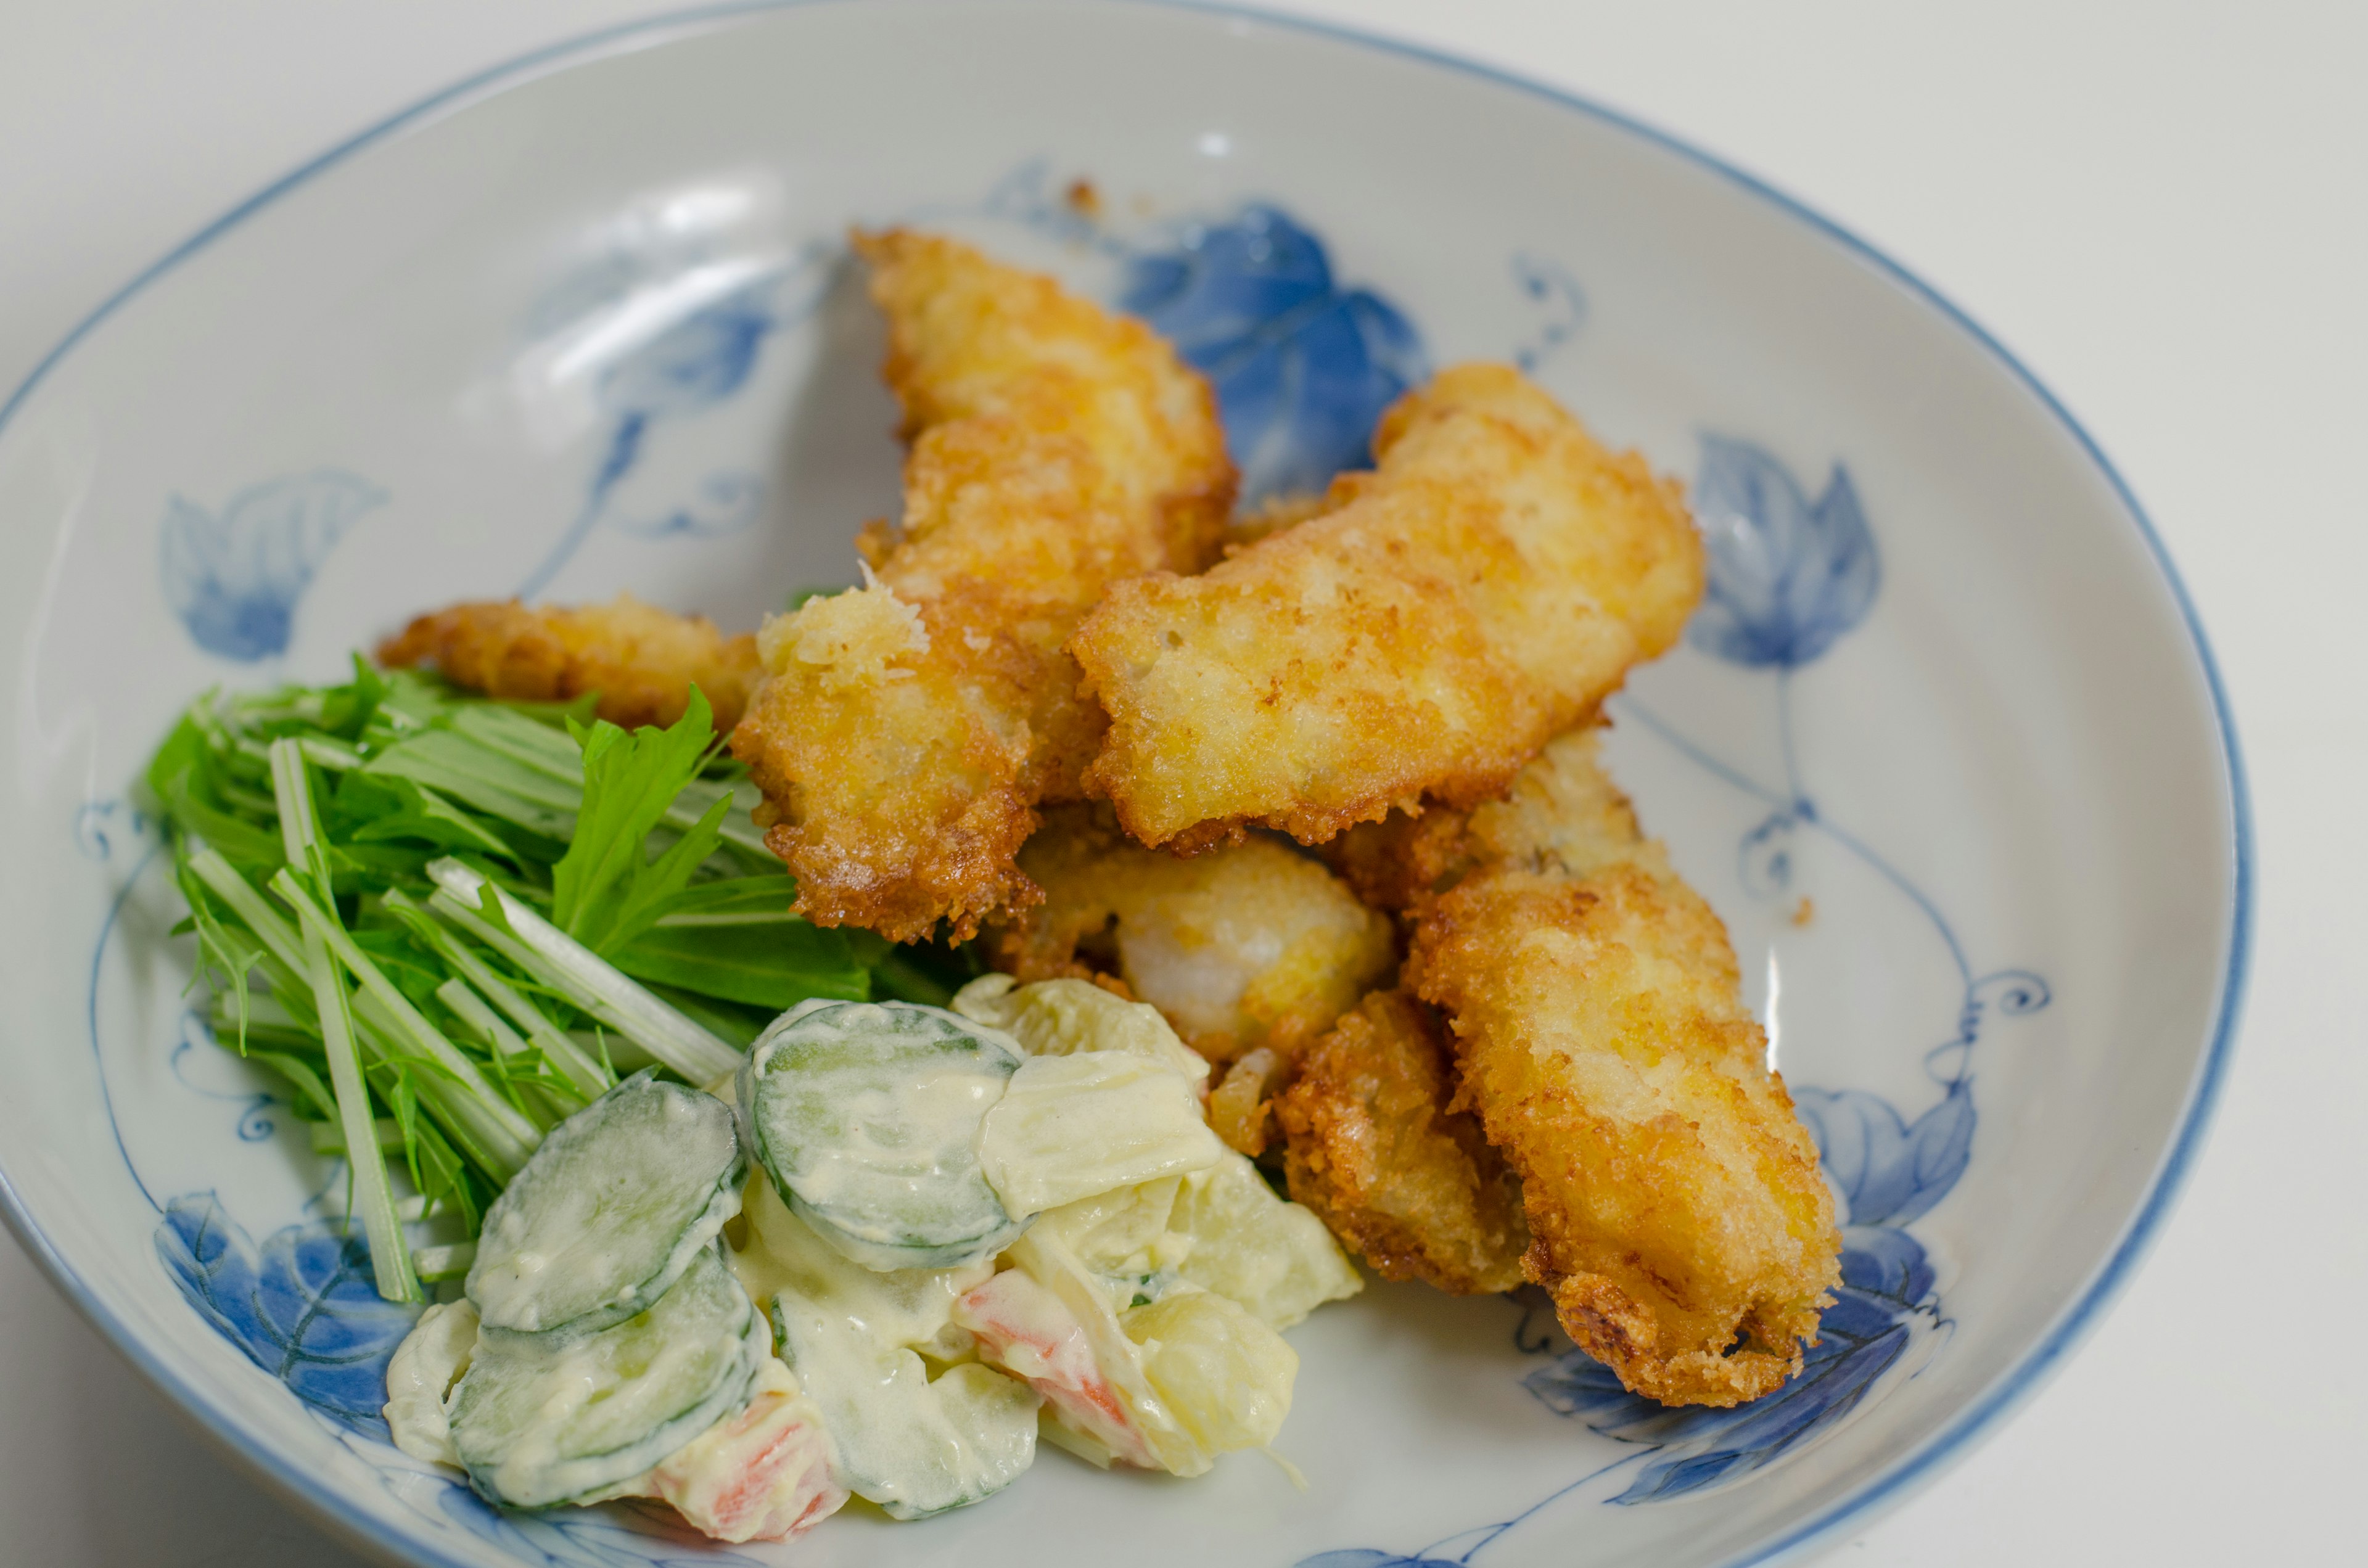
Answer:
x=896 y=1249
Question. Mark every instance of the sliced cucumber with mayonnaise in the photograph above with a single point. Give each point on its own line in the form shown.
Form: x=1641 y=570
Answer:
x=565 y=1416
x=614 y=1206
x=865 y=1116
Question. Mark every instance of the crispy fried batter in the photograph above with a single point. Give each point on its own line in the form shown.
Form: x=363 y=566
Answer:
x=1271 y=516
x=1256 y=947
x=1479 y=591
x=1674 y=1197
x=641 y=660
x=1563 y=812
x=910 y=727
x=1377 y=1152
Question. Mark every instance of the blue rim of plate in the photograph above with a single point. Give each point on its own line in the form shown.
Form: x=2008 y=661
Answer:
x=1888 y=1489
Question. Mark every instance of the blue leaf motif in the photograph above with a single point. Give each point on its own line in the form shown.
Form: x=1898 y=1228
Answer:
x=691 y=365
x=1302 y=366
x=1366 y=1557
x=587 y=1537
x=1888 y=1170
x=1839 y=1370
x=1880 y=1260
x=234 y=578
x=695 y=363
x=1886 y=1283
x=1787 y=575
x=305 y=1309
x=728 y=502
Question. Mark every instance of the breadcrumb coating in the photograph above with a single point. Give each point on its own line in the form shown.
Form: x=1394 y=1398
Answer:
x=641 y=660
x=1678 y=1213
x=911 y=726
x=1479 y=591
x=1377 y=1151
x=1563 y=812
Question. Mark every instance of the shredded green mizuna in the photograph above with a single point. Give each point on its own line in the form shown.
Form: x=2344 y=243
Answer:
x=433 y=917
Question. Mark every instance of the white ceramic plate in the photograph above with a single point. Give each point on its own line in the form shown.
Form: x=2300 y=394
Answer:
x=1944 y=745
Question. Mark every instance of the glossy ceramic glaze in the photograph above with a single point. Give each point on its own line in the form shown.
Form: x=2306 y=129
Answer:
x=1943 y=744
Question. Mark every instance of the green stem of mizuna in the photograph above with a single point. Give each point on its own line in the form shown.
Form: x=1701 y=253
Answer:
x=562 y=1052
x=373 y=1193
x=510 y=1136
x=578 y=972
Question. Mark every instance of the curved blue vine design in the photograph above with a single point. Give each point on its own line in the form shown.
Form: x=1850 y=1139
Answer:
x=234 y=577
x=1789 y=575
x=255 y=1120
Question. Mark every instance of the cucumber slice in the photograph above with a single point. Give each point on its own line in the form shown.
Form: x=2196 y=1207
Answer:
x=545 y=1419
x=866 y=1115
x=614 y=1205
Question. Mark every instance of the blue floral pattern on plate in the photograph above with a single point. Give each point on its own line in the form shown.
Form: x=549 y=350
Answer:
x=686 y=367
x=1302 y=366
x=304 y=1309
x=1788 y=576
x=234 y=577
x=1886 y=1297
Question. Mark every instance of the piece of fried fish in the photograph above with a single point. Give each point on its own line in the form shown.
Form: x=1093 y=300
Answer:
x=1476 y=593
x=1677 y=1211
x=909 y=727
x=643 y=660
x=1378 y=1150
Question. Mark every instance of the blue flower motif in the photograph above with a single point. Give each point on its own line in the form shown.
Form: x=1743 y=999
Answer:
x=1863 y=1333
x=1302 y=366
x=695 y=363
x=1888 y=1171
x=1787 y=575
x=691 y=365
x=306 y=1310
x=234 y=578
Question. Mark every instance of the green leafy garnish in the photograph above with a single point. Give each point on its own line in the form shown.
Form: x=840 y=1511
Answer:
x=441 y=921
x=606 y=890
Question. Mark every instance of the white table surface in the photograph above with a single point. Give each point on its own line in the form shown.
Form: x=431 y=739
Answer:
x=2160 y=205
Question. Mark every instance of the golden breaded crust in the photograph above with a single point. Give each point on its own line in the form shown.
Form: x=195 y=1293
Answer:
x=641 y=660
x=1478 y=592
x=1562 y=813
x=910 y=727
x=1255 y=947
x=1678 y=1215
x=1376 y=1152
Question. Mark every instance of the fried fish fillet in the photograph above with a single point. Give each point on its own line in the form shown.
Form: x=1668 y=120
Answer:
x=641 y=660
x=909 y=727
x=1563 y=812
x=1253 y=948
x=1377 y=1151
x=1476 y=593
x=1677 y=1214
